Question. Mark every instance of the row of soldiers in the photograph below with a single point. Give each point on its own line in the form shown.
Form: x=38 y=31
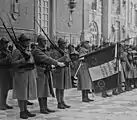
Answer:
x=31 y=77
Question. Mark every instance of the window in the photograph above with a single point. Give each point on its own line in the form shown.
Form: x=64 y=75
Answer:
x=93 y=30
x=43 y=15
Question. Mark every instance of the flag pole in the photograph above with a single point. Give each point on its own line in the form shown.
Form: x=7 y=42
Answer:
x=118 y=63
x=117 y=58
x=82 y=31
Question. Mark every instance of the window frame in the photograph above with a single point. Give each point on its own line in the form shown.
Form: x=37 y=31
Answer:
x=43 y=15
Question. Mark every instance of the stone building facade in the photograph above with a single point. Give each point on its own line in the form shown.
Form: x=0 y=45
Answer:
x=21 y=14
x=92 y=21
x=111 y=20
x=119 y=19
x=132 y=21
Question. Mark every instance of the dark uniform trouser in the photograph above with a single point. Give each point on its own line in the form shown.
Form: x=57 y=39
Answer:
x=42 y=102
x=60 y=95
x=22 y=105
x=3 y=97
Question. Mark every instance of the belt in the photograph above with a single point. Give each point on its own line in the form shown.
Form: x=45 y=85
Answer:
x=29 y=66
x=46 y=67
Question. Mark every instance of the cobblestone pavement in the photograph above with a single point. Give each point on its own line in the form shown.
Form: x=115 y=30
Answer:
x=121 y=107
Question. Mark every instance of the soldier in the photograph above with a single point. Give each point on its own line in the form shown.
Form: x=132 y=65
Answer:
x=44 y=86
x=24 y=83
x=5 y=73
x=130 y=72
x=61 y=76
x=84 y=79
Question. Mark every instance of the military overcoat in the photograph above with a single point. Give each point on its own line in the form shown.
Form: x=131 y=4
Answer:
x=61 y=76
x=84 y=79
x=24 y=83
x=42 y=59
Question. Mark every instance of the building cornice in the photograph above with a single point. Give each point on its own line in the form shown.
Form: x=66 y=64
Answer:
x=18 y=30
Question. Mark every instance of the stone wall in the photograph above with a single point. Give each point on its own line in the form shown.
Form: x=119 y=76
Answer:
x=21 y=14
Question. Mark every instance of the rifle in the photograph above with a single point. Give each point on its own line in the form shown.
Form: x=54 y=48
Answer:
x=51 y=42
x=14 y=40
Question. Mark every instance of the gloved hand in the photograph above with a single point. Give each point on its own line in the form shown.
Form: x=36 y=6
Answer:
x=60 y=64
x=81 y=58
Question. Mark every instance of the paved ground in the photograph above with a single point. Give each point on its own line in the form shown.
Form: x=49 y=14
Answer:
x=121 y=107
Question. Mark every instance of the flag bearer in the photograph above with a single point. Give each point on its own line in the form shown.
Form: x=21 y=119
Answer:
x=84 y=79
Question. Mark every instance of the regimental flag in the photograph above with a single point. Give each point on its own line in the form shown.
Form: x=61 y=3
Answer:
x=103 y=69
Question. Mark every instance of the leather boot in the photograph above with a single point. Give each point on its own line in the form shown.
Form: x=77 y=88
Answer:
x=43 y=110
x=62 y=100
x=90 y=100
x=114 y=92
x=84 y=97
x=128 y=86
x=27 y=112
x=67 y=106
x=46 y=107
x=58 y=96
x=23 y=113
x=61 y=106
x=104 y=94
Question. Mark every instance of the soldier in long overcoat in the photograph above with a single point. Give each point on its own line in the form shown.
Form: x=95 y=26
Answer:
x=84 y=79
x=61 y=76
x=135 y=73
x=5 y=73
x=130 y=71
x=44 y=81
x=24 y=83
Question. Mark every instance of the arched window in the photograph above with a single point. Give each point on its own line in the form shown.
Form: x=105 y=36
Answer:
x=93 y=29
